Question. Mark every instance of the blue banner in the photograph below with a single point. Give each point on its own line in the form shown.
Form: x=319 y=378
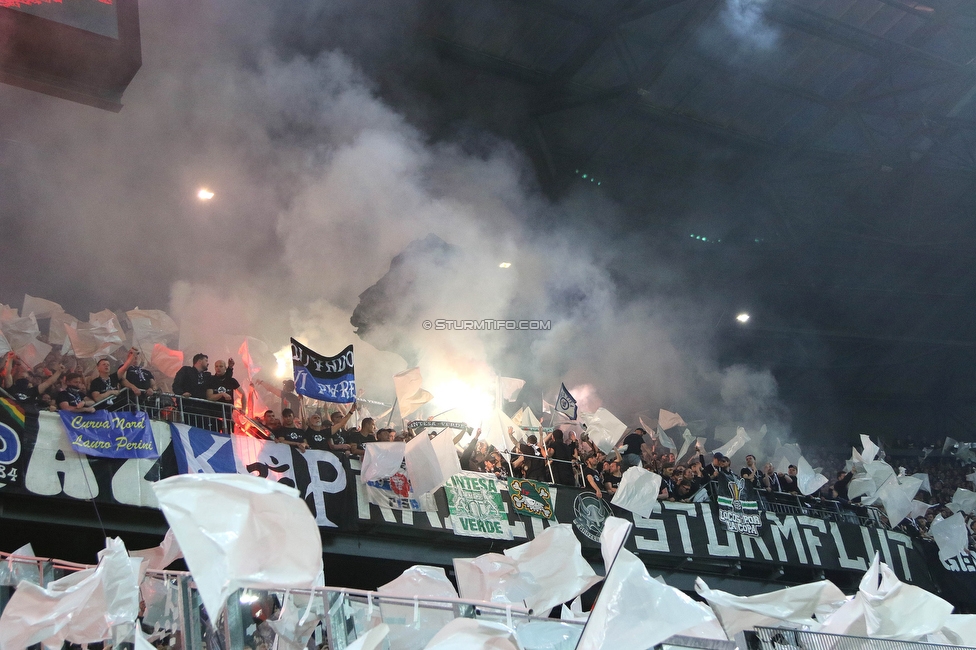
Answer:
x=329 y=379
x=110 y=435
x=202 y=452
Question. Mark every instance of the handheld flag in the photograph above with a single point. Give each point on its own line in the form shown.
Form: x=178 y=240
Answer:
x=566 y=403
x=329 y=379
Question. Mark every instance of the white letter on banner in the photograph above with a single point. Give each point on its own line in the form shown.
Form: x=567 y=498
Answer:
x=749 y=541
x=813 y=542
x=902 y=540
x=129 y=485
x=715 y=548
x=200 y=464
x=319 y=488
x=845 y=560
x=659 y=545
x=783 y=530
x=44 y=468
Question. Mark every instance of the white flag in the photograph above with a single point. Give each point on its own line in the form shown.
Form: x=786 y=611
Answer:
x=410 y=395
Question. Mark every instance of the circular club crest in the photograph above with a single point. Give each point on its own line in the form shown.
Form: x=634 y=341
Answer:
x=589 y=515
x=563 y=404
x=400 y=485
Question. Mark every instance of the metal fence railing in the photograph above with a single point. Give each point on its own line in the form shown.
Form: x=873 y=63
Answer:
x=836 y=511
x=772 y=638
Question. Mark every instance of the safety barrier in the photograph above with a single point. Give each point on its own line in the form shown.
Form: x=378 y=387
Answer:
x=772 y=638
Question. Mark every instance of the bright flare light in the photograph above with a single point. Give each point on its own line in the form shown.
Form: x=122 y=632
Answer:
x=743 y=318
x=504 y=265
x=466 y=402
x=283 y=357
x=204 y=194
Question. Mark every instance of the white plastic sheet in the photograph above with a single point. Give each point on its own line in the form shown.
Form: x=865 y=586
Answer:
x=292 y=627
x=492 y=577
x=447 y=456
x=604 y=428
x=638 y=491
x=950 y=534
x=382 y=460
x=160 y=557
x=949 y=445
x=410 y=395
x=791 y=605
x=423 y=467
x=612 y=539
x=472 y=634
x=495 y=430
x=574 y=612
x=960 y=629
x=167 y=361
x=412 y=626
x=40 y=307
x=807 y=480
x=84 y=607
x=12 y=570
x=553 y=563
x=735 y=444
x=925 y=485
x=635 y=611
x=964 y=500
x=870 y=450
x=21 y=331
x=548 y=635
x=372 y=640
x=686 y=439
x=667 y=419
x=919 y=509
x=896 y=502
x=895 y=610
x=149 y=327
x=239 y=531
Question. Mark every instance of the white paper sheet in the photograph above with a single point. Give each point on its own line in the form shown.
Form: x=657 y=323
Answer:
x=604 y=428
x=411 y=627
x=895 y=610
x=83 y=607
x=423 y=467
x=472 y=634
x=791 y=605
x=554 y=564
x=238 y=531
x=382 y=460
x=635 y=611
x=160 y=557
x=950 y=534
x=638 y=491
x=807 y=480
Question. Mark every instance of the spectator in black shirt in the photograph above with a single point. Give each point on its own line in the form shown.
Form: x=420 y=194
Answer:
x=591 y=476
x=19 y=382
x=106 y=388
x=562 y=453
x=288 y=433
x=711 y=471
x=139 y=379
x=630 y=450
x=611 y=477
x=316 y=435
x=72 y=398
x=289 y=398
x=222 y=384
x=192 y=381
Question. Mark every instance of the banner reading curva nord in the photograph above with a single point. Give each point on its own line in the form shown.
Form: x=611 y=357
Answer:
x=329 y=379
x=110 y=435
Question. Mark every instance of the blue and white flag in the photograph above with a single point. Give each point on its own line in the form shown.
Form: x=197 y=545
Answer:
x=110 y=435
x=199 y=451
x=566 y=403
x=329 y=379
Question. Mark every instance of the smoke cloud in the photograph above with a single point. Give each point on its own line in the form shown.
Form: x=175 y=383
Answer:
x=319 y=184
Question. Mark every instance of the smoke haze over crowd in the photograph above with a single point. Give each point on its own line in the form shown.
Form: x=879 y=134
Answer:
x=319 y=183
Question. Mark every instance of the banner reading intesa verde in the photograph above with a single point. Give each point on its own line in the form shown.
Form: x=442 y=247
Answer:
x=110 y=435
x=476 y=506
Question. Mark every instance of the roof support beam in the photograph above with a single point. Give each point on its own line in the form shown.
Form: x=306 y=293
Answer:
x=811 y=22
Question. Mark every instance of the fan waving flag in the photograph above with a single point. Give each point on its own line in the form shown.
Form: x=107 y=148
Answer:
x=329 y=379
x=566 y=403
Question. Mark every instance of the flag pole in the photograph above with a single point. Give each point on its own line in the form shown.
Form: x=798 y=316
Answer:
x=390 y=419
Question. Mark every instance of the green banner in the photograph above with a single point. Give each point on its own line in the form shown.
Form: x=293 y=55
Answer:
x=476 y=506
x=530 y=498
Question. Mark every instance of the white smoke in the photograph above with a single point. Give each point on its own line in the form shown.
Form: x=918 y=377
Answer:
x=318 y=185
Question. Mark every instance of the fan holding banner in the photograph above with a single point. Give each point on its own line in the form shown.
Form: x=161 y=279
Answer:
x=328 y=379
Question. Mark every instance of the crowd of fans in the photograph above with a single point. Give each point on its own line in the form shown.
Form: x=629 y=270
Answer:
x=561 y=457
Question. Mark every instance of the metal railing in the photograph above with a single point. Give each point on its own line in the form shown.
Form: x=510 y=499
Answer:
x=836 y=511
x=222 y=417
x=772 y=638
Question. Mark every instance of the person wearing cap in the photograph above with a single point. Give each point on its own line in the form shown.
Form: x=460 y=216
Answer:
x=711 y=470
